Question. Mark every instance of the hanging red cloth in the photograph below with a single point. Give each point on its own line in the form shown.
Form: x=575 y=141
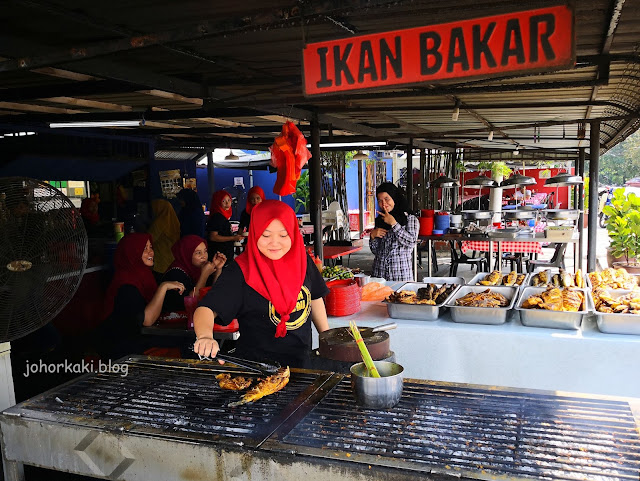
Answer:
x=289 y=154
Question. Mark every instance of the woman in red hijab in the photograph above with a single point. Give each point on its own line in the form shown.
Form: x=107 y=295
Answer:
x=273 y=288
x=133 y=298
x=254 y=197
x=192 y=268
x=219 y=235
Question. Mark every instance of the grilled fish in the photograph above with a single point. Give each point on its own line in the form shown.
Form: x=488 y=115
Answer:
x=579 y=281
x=265 y=387
x=492 y=279
x=510 y=279
x=520 y=279
x=238 y=383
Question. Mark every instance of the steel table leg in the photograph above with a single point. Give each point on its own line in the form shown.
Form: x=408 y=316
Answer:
x=429 y=263
x=499 y=258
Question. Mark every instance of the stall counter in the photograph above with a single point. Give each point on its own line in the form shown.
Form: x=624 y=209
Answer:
x=513 y=355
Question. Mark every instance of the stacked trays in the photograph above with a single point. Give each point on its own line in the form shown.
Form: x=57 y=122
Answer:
x=618 y=323
x=481 y=315
x=419 y=312
x=552 y=319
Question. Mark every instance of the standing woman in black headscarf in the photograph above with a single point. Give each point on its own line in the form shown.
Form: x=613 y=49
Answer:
x=191 y=216
x=394 y=237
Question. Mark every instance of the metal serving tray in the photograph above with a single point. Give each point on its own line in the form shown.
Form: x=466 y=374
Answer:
x=552 y=319
x=477 y=214
x=418 y=312
x=618 y=323
x=554 y=271
x=444 y=280
x=519 y=214
x=590 y=285
x=481 y=315
x=481 y=275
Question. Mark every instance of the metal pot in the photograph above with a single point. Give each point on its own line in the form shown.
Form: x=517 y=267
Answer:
x=337 y=344
x=382 y=392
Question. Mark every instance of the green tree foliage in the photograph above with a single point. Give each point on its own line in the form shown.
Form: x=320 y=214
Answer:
x=622 y=162
x=623 y=225
x=301 y=195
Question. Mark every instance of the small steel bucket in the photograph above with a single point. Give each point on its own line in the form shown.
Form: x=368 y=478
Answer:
x=377 y=393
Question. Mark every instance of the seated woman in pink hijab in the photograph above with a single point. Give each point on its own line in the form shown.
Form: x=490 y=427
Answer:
x=192 y=268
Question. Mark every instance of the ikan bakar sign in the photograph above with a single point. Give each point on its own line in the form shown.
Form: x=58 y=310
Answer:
x=528 y=41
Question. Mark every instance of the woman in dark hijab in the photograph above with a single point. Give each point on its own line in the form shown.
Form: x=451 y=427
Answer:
x=394 y=237
x=191 y=216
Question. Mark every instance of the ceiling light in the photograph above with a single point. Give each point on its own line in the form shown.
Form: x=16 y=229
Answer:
x=517 y=151
x=350 y=144
x=231 y=156
x=490 y=137
x=360 y=155
x=105 y=123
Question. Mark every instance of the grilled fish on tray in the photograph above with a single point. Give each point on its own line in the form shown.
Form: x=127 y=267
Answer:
x=483 y=299
x=495 y=278
x=626 y=304
x=556 y=299
x=429 y=295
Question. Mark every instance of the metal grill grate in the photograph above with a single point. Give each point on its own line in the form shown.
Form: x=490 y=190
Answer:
x=185 y=402
x=465 y=429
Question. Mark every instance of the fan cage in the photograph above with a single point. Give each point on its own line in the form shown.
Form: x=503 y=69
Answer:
x=43 y=254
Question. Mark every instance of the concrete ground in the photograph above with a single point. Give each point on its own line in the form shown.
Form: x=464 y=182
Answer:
x=363 y=259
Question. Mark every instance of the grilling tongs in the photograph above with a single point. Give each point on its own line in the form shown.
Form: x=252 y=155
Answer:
x=259 y=367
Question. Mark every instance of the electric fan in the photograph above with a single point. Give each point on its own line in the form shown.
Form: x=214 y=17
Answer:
x=43 y=254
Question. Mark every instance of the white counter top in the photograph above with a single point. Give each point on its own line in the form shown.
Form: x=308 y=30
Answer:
x=510 y=354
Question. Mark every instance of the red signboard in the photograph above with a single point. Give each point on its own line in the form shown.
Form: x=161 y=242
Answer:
x=532 y=40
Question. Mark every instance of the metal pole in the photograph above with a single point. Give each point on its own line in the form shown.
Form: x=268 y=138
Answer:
x=360 y=200
x=423 y=179
x=210 y=174
x=315 y=186
x=410 y=175
x=581 y=156
x=594 y=165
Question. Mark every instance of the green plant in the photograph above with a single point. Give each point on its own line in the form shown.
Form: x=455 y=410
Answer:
x=497 y=168
x=623 y=224
x=301 y=194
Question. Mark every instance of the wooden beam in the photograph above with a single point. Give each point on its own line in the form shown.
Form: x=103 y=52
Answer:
x=94 y=104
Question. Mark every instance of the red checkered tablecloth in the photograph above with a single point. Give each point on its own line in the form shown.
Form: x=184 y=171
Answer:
x=507 y=246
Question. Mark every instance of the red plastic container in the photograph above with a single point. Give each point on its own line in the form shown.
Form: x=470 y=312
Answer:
x=343 y=298
x=427 y=212
x=426 y=226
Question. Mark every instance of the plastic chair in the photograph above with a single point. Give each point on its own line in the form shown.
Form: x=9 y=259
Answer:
x=557 y=260
x=457 y=258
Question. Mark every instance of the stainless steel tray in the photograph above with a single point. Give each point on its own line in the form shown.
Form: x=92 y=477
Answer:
x=589 y=284
x=444 y=280
x=618 y=323
x=561 y=214
x=554 y=271
x=477 y=214
x=481 y=315
x=481 y=275
x=552 y=319
x=508 y=232
x=417 y=312
x=519 y=214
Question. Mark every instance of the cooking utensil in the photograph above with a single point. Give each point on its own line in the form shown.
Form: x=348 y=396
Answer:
x=382 y=392
x=339 y=345
x=255 y=366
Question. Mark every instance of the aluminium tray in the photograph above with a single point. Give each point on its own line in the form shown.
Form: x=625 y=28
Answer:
x=555 y=270
x=477 y=214
x=481 y=275
x=552 y=319
x=444 y=280
x=519 y=214
x=417 y=312
x=481 y=315
x=618 y=323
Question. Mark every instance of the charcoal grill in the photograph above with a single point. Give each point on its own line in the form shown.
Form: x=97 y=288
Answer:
x=168 y=420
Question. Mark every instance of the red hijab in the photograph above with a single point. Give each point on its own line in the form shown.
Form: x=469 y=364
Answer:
x=183 y=253
x=129 y=269
x=253 y=190
x=89 y=210
x=216 y=203
x=278 y=281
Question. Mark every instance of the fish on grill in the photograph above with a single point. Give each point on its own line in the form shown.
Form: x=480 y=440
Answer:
x=269 y=385
x=237 y=383
x=482 y=299
x=556 y=299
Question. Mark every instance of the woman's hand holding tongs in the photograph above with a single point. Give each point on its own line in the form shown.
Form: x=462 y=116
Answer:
x=207 y=347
